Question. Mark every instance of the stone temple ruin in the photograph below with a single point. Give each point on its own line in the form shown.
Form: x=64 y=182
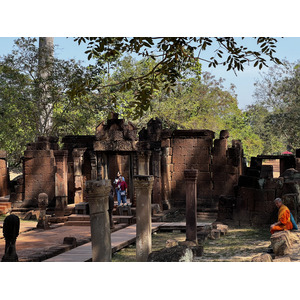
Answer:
x=226 y=187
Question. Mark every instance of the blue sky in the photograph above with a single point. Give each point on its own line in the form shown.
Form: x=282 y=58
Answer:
x=287 y=47
x=158 y=18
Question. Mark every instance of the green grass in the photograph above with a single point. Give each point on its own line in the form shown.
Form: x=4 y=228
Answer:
x=2 y=217
x=238 y=245
x=159 y=239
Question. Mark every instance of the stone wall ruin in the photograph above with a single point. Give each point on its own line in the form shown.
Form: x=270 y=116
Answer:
x=225 y=185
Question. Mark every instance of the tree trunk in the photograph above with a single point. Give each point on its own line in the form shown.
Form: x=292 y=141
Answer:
x=46 y=50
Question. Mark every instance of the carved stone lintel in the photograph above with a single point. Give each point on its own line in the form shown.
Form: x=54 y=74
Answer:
x=143 y=181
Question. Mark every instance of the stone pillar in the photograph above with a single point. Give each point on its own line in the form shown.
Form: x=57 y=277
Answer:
x=166 y=177
x=4 y=176
x=190 y=176
x=143 y=159
x=61 y=182
x=143 y=185
x=156 y=171
x=97 y=193
x=78 y=178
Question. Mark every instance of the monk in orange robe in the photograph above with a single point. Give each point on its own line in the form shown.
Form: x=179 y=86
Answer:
x=284 y=221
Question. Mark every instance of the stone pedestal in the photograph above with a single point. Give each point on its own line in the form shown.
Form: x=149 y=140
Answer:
x=97 y=192
x=191 y=204
x=143 y=185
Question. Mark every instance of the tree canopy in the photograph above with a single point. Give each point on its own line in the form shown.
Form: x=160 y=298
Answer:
x=139 y=78
x=172 y=56
x=275 y=114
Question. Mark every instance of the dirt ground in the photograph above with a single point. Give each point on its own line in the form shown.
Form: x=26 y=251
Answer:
x=238 y=245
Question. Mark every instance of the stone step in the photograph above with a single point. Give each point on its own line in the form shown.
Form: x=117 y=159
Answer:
x=84 y=220
x=207 y=215
x=77 y=217
x=77 y=223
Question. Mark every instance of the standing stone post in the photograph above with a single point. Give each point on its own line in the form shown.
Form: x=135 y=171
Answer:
x=11 y=227
x=42 y=219
x=61 y=182
x=143 y=185
x=190 y=176
x=97 y=192
x=78 y=154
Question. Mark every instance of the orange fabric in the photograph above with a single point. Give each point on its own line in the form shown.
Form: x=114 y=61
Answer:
x=284 y=219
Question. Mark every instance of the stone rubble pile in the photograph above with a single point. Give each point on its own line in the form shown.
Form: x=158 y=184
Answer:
x=285 y=245
x=186 y=251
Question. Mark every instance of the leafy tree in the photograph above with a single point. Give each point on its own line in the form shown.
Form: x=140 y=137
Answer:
x=198 y=101
x=172 y=57
x=21 y=104
x=274 y=116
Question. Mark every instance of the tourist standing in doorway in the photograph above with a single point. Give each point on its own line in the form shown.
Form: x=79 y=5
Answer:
x=117 y=183
x=123 y=190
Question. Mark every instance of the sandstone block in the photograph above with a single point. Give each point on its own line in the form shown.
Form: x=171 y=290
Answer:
x=281 y=243
x=262 y=258
x=223 y=228
x=178 y=253
x=215 y=234
x=282 y=259
x=171 y=243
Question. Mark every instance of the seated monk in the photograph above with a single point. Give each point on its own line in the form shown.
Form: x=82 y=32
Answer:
x=284 y=220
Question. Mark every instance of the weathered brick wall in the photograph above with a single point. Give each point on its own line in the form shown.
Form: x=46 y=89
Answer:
x=190 y=150
x=218 y=165
x=4 y=184
x=39 y=175
x=253 y=203
x=39 y=169
x=226 y=168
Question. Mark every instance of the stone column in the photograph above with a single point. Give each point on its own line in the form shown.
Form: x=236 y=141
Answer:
x=97 y=192
x=143 y=185
x=61 y=182
x=78 y=178
x=156 y=171
x=190 y=176
x=166 y=178
x=4 y=175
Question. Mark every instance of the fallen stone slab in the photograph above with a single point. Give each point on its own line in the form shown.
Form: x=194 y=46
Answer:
x=282 y=259
x=195 y=247
x=178 y=253
x=223 y=228
x=262 y=258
